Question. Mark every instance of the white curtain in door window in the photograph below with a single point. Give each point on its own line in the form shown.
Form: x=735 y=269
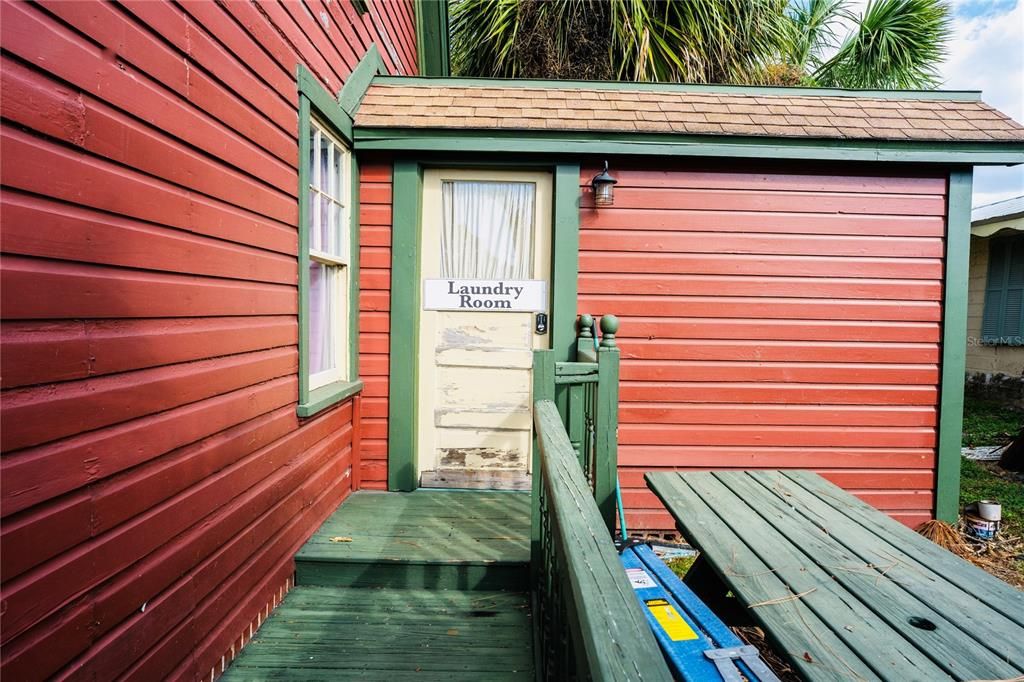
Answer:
x=487 y=229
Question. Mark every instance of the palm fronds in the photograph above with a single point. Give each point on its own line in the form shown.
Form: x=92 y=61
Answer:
x=896 y=45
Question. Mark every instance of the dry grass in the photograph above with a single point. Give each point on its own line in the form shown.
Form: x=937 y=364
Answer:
x=755 y=636
x=998 y=556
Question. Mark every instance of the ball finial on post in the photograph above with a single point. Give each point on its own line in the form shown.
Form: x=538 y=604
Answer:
x=609 y=326
x=586 y=326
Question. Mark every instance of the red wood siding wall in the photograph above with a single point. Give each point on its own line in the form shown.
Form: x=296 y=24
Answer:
x=155 y=478
x=773 y=320
x=374 y=318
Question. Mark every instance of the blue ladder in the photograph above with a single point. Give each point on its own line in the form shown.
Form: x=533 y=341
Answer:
x=696 y=643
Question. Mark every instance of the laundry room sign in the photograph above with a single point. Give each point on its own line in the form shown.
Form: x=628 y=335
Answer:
x=485 y=295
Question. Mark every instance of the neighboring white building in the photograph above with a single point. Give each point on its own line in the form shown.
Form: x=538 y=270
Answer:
x=995 y=304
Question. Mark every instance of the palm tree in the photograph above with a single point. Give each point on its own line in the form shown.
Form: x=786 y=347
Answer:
x=895 y=43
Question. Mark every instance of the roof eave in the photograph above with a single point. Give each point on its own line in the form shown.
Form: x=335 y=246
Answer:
x=767 y=90
x=450 y=140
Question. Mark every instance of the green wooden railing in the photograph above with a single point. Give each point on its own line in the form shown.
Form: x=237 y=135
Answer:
x=589 y=624
x=586 y=392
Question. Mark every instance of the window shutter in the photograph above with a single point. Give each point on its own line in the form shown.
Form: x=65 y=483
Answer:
x=1013 y=303
x=1003 y=316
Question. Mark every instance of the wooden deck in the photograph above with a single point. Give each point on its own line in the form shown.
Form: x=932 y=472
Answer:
x=425 y=585
x=841 y=589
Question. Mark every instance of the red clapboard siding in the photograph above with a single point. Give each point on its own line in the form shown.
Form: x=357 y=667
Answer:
x=803 y=287
x=44 y=352
x=374 y=337
x=773 y=319
x=151 y=449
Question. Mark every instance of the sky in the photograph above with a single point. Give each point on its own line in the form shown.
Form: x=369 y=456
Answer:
x=987 y=54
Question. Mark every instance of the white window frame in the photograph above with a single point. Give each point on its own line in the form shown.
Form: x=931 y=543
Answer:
x=338 y=258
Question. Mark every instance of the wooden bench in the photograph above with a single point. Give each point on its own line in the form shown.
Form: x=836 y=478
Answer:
x=842 y=590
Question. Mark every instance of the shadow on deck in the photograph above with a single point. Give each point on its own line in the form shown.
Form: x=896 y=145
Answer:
x=424 y=585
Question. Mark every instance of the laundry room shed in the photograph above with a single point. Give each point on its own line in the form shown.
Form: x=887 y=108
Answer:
x=777 y=259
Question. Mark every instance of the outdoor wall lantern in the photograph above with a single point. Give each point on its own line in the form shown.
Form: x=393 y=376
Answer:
x=604 y=187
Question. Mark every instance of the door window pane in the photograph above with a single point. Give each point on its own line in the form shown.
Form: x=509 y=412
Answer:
x=487 y=229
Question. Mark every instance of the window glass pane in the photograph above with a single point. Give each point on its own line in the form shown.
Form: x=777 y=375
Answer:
x=322 y=349
x=315 y=240
x=318 y=150
x=313 y=132
x=487 y=229
x=325 y=162
x=341 y=162
x=326 y=226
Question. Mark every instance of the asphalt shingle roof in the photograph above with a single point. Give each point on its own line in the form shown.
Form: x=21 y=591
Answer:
x=429 y=105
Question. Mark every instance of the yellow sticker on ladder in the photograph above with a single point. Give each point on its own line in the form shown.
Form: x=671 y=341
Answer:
x=670 y=621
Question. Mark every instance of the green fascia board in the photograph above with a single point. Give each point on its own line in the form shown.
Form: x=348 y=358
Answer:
x=325 y=105
x=954 y=346
x=767 y=90
x=358 y=82
x=683 y=145
x=432 y=37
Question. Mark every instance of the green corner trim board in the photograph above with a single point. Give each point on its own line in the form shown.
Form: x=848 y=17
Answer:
x=432 y=37
x=954 y=345
x=314 y=100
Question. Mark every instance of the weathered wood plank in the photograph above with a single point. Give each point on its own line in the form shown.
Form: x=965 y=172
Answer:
x=979 y=584
x=390 y=633
x=617 y=643
x=806 y=573
x=887 y=580
x=794 y=630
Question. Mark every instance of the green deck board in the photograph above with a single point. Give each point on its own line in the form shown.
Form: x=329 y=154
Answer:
x=332 y=633
x=853 y=622
x=914 y=584
x=429 y=585
x=792 y=631
x=883 y=587
x=444 y=527
x=980 y=584
x=860 y=577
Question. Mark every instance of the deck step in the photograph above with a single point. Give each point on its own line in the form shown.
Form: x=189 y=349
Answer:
x=435 y=539
x=330 y=633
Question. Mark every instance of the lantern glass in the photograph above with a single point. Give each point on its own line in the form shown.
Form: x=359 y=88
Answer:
x=604 y=193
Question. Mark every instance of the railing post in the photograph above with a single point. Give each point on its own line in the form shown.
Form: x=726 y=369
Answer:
x=606 y=458
x=585 y=347
x=543 y=389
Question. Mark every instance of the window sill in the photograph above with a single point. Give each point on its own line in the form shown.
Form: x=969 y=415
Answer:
x=321 y=398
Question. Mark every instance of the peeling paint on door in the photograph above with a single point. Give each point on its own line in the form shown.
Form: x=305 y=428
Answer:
x=475 y=376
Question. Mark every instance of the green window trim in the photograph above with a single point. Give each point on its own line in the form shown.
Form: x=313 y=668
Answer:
x=1002 y=317
x=314 y=100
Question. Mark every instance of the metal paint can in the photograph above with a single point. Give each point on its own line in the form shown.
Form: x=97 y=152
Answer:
x=990 y=510
x=980 y=528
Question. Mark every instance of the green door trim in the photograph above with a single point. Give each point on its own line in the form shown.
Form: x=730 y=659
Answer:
x=954 y=345
x=407 y=187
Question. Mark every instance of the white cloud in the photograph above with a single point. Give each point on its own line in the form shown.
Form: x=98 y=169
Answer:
x=987 y=54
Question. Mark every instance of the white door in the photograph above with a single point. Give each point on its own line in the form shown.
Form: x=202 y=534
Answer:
x=486 y=260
